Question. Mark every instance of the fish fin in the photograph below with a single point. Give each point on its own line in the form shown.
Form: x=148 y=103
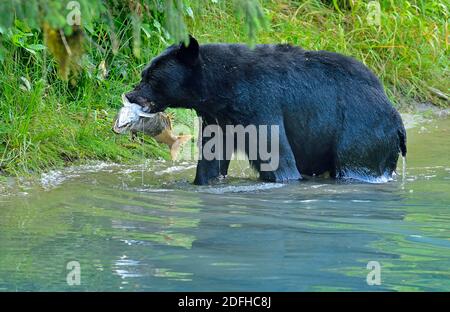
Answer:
x=176 y=146
x=170 y=117
x=166 y=137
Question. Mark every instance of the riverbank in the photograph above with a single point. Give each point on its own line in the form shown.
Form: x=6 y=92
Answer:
x=423 y=118
x=48 y=123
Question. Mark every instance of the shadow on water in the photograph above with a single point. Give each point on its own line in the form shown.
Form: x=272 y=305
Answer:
x=167 y=234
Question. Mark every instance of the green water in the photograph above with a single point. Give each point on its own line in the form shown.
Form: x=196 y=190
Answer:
x=155 y=231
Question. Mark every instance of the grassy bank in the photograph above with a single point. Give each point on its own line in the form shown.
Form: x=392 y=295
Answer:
x=408 y=50
x=50 y=123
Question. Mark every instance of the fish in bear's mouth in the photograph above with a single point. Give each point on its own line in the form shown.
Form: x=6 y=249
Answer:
x=128 y=115
x=158 y=125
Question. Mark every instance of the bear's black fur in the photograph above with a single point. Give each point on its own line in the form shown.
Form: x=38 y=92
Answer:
x=332 y=111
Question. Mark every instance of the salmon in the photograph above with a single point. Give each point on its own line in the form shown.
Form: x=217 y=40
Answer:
x=132 y=118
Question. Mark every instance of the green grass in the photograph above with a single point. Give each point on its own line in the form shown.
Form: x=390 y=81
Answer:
x=57 y=123
x=408 y=51
x=52 y=125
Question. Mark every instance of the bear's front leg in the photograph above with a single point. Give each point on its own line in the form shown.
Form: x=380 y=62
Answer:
x=208 y=170
x=214 y=161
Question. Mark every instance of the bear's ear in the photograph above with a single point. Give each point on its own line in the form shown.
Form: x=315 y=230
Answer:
x=188 y=54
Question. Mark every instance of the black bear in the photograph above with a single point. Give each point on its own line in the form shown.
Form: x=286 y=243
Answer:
x=331 y=110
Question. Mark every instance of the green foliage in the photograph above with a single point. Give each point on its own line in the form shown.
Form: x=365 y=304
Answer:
x=253 y=16
x=54 y=12
x=47 y=122
x=408 y=50
x=141 y=14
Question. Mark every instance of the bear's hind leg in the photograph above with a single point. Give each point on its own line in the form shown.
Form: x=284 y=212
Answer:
x=373 y=165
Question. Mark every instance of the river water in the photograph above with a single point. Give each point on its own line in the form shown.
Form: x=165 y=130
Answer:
x=155 y=231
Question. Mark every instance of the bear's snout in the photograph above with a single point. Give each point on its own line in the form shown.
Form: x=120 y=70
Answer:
x=135 y=98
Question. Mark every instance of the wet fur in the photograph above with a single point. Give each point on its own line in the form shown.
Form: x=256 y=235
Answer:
x=333 y=113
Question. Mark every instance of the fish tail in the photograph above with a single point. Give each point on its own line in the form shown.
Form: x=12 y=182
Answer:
x=176 y=146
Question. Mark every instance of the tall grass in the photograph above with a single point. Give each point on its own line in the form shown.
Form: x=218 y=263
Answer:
x=408 y=50
x=56 y=122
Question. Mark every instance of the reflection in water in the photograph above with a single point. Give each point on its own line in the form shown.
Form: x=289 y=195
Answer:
x=241 y=234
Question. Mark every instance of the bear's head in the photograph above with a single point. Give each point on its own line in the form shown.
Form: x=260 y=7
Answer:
x=172 y=79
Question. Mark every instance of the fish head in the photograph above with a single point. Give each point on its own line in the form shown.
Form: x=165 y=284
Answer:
x=129 y=115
